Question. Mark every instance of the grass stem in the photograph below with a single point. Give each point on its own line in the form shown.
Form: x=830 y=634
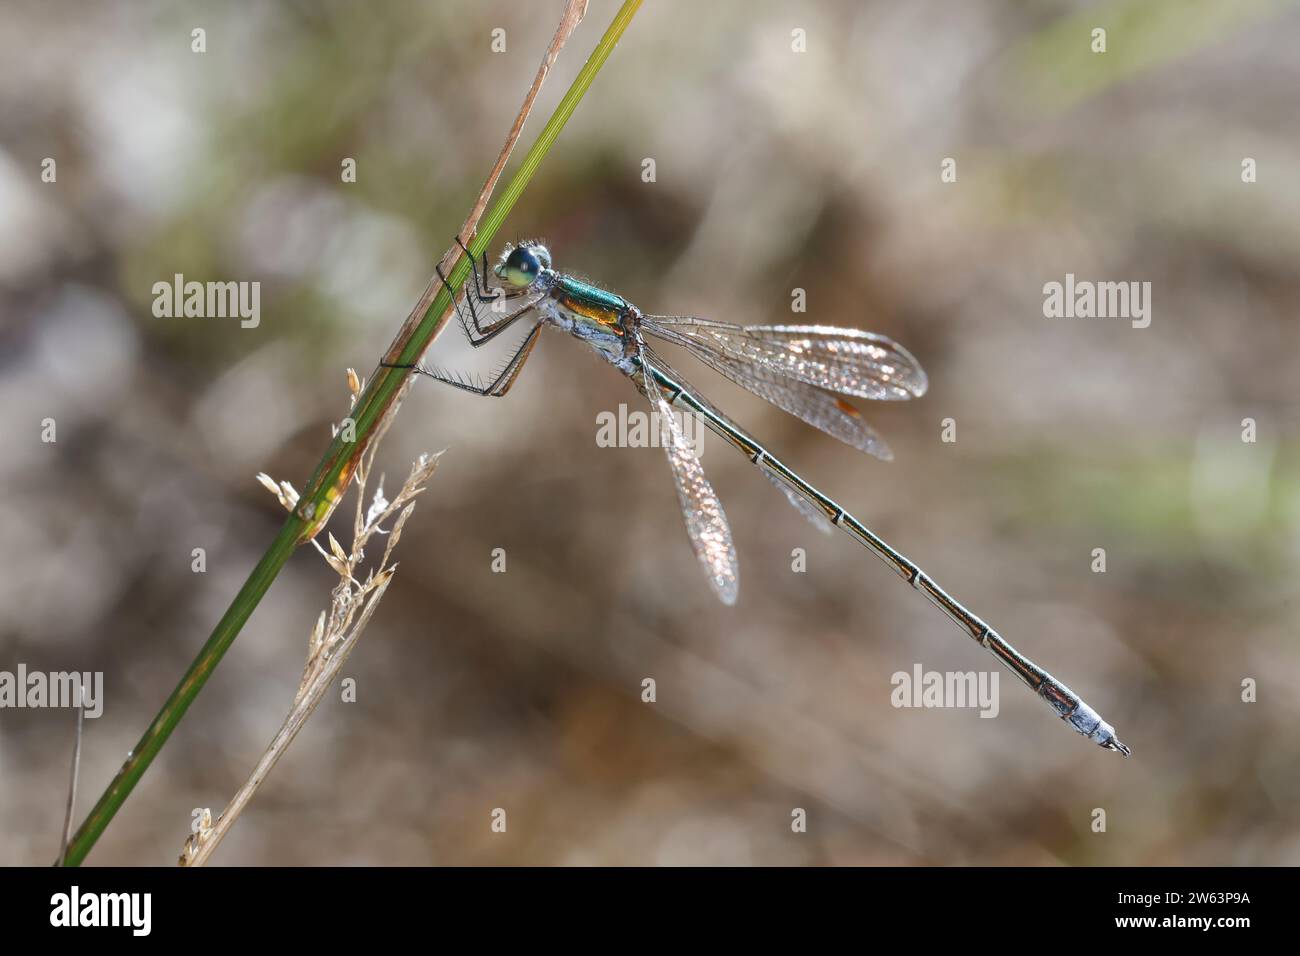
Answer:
x=370 y=417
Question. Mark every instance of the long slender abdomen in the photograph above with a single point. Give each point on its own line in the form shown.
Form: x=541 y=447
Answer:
x=1068 y=705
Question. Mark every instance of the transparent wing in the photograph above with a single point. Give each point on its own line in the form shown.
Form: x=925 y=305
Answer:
x=847 y=361
x=706 y=524
x=818 y=408
x=805 y=508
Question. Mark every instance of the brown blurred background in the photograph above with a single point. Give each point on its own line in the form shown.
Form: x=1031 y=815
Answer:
x=775 y=170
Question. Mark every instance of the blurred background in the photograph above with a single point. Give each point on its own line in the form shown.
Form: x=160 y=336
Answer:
x=774 y=170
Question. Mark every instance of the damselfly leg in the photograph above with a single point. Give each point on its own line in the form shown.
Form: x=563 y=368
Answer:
x=501 y=381
x=485 y=294
x=485 y=333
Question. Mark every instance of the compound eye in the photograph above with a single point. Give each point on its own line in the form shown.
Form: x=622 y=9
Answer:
x=522 y=267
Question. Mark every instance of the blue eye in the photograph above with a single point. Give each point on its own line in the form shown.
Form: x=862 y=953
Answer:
x=521 y=267
x=524 y=264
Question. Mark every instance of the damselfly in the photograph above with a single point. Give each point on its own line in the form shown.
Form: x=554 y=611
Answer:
x=799 y=368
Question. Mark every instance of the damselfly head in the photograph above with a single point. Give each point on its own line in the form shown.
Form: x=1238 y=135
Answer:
x=523 y=264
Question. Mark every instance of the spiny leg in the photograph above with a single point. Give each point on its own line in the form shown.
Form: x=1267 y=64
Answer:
x=484 y=293
x=511 y=371
x=500 y=384
x=493 y=328
x=468 y=304
x=461 y=307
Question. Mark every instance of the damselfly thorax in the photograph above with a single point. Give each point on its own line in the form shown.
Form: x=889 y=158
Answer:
x=802 y=369
x=605 y=321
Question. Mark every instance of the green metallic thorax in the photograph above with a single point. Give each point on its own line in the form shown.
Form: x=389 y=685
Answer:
x=589 y=300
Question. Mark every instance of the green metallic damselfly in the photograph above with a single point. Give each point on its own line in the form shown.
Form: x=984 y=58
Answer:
x=799 y=368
